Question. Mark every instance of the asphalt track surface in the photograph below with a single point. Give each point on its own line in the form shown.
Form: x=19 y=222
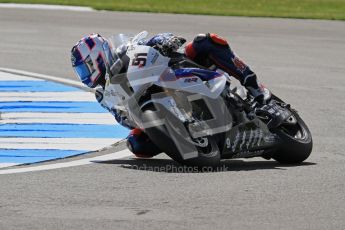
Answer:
x=300 y=60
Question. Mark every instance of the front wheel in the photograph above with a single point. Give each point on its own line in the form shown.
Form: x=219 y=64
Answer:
x=296 y=139
x=172 y=133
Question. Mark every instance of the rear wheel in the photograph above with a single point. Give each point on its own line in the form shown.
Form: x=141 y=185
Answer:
x=296 y=139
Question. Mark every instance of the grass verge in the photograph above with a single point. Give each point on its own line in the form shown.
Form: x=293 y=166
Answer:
x=312 y=9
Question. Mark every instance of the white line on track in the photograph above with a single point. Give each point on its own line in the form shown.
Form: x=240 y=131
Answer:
x=6 y=165
x=60 y=118
x=13 y=77
x=107 y=157
x=46 y=96
x=89 y=144
x=47 y=77
x=45 y=7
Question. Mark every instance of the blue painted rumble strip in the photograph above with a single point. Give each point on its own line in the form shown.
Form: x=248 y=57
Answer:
x=34 y=86
x=23 y=156
x=62 y=130
x=46 y=130
x=52 y=106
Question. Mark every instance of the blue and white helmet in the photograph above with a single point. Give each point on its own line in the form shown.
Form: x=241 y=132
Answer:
x=91 y=57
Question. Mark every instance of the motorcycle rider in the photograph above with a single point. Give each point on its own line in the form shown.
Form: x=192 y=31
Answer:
x=93 y=61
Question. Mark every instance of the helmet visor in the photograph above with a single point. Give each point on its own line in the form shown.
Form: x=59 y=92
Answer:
x=83 y=73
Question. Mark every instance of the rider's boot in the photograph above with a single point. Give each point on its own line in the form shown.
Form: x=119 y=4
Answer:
x=260 y=93
x=141 y=145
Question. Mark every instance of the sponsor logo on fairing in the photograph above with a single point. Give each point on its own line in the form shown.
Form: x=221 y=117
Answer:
x=251 y=135
x=244 y=140
x=190 y=80
x=248 y=153
x=154 y=59
x=270 y=138
x=237 y=139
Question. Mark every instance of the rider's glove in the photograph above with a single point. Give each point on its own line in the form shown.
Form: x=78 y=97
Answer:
x=172 y=44
x=166 y=43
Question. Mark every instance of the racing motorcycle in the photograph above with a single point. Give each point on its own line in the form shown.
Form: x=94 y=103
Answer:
x=197 y=117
